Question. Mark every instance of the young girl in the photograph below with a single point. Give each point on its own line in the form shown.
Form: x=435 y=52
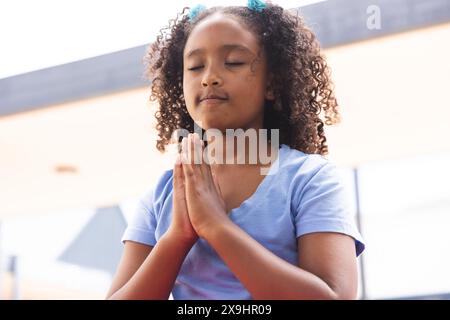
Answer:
x=214 y=230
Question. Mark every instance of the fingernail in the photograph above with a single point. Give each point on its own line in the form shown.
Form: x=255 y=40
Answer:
x=178 y=159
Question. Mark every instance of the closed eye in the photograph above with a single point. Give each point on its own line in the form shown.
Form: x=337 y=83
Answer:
x=195 y=68
x=227 y=63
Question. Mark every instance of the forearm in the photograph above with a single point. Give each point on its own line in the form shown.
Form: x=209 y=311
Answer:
x=156 y=276
x=265 y=275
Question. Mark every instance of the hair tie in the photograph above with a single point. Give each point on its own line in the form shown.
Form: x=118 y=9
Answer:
x=255 y=5
x=193 y=13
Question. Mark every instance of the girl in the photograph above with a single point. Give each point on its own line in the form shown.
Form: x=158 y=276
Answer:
x=211 y=230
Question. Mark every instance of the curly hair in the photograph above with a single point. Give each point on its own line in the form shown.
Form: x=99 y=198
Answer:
x=301 y=83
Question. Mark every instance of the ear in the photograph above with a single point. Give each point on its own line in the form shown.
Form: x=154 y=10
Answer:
x=269 y=94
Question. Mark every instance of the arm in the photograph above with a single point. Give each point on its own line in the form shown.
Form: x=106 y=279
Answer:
x=151 y=276
x=327 y=265
x=133 y=256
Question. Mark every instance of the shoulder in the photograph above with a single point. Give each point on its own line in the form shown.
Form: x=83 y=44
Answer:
x=164 y=182
x=304 y=167
x=311 y=176
x=157 y=193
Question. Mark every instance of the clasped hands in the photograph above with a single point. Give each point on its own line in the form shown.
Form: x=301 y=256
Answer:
x=198 y=205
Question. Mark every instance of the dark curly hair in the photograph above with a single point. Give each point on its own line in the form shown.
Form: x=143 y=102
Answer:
x=302 y=87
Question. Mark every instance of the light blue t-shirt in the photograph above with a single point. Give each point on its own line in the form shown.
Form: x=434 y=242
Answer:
x=303 y=193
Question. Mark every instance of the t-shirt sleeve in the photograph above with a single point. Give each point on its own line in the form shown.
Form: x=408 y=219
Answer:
x=142 y=226
x=322 y=205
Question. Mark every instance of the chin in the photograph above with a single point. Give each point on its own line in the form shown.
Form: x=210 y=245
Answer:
x=213 y=125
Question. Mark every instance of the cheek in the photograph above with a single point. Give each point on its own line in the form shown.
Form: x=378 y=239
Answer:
x=250 y=89
x=188 y=92
x=189 y=96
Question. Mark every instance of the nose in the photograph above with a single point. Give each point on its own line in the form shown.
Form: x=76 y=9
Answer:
x=211 y=78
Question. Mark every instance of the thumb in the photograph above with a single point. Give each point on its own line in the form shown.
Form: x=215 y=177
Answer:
x=216 y=183
x=219 y=190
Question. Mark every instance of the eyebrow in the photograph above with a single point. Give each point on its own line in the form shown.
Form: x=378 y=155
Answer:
x=225 y=46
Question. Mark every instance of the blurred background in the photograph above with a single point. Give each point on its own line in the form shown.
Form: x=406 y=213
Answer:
x=77 y=138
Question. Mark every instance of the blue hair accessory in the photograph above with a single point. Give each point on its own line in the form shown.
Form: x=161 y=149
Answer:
x=193 y=13
x=256 y=5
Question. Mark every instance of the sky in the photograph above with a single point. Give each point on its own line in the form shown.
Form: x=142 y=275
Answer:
x=39 y=34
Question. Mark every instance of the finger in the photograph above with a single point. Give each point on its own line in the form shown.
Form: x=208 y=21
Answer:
x=188 y=152
x=205 y=167
x=187 y=166
x=178 y=172
x=192 y=150
x=180 y=168
x=183 y=150
x=189 y=148
x=179 y=192
x=199 y=153
x=194 y=145
x=175 y=173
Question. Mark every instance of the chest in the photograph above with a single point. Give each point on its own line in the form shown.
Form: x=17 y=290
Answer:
x=239 y=185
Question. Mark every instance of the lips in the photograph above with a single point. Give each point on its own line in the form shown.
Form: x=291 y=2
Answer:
x=212 y=101
x=214 y=96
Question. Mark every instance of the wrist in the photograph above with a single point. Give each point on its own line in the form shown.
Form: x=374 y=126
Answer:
x=215 y=228
x=180 y=239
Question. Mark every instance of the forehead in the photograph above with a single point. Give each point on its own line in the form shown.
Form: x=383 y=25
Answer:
x=218 y=30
